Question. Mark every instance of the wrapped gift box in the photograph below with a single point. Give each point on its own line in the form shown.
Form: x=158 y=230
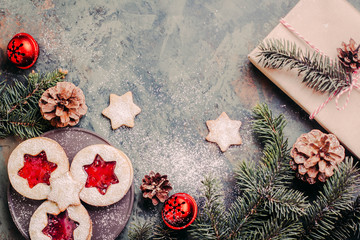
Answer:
x=324 y=23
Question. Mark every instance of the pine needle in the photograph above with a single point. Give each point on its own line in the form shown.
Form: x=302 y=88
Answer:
x=274 y=229
x=266 y=192
x=348 y=223
x=19 y=111
x=334 y=201
x=140 y=231
x=268 y=207
x=164 y=233
x=209 y=222
x=318 y=72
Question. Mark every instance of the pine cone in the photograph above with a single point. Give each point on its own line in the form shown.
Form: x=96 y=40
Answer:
x=63 y=104
x=348 y=55
x=156 y=187
x=316 y=155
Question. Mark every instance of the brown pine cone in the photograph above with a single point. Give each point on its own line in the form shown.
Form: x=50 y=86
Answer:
x=348 y=55
x=63 y=105
x=316 y=155
x=156 y=187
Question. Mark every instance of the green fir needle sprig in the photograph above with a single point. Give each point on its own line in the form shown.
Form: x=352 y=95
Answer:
x=141 y=231
x=318 y=72
x=150 y=231
x=19 y=111
x=334 y=214
x=268 y=206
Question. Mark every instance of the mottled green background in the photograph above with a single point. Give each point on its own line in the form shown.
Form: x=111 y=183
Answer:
x=185 y=62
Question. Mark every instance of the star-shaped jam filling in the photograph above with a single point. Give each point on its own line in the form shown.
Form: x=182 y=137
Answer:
x=37 y=169
x=100 y=174
x=60 y=227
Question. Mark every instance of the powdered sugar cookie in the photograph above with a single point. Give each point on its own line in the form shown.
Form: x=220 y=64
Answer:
x=32 y=164
x=49 y=223
x=122 y=110
x=105 y=172
x=65 y=191
x=224 y=131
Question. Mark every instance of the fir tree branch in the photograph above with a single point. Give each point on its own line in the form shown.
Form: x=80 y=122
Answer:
x=140 y=231
x=148 y=231
x=289 y=200
x=162 y=233
x=347 y=225
x=208 y=223
x=336 y=197
x=240 y=214
x=275 y=230
x=273 y=176
x=318 y=72
x=19 y=111
x=269 y=130
x=268 y=207
x=265 y=187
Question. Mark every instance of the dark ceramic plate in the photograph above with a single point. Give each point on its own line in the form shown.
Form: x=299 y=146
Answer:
x=108 y=222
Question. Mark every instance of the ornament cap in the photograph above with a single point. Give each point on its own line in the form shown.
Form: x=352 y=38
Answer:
x=180 y=211
x=23 y=50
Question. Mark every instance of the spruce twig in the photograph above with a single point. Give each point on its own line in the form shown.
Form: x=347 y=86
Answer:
x=266 y=194
x=140 y=231
x=208 y=223
x=274 y=229
x=270 y=179
x=162 y=233
x=149 y=231
x=276 y=157
x=268 y=207
x=240 y=214
x=19 y=111
x=333 y=203
x=347 y=225
x=318 y=72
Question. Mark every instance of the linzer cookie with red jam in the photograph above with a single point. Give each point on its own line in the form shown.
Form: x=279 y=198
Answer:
x=105 y=172
x=48 y=222
x=32 y=164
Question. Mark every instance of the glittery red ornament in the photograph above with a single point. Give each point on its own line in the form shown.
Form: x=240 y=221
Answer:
x=179 y=211
x=23 y=50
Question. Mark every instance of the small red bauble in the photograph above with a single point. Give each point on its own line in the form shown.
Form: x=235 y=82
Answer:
x=23 y=50
x=179 y=211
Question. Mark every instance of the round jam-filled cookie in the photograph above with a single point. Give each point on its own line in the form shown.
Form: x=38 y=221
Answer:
x=105 y=172
x=49 y=223
x=32 y=164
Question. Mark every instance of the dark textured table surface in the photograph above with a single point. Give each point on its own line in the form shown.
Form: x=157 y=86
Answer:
x=185 y=62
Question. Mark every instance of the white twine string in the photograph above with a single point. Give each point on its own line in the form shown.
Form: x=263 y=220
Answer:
x=292 y=29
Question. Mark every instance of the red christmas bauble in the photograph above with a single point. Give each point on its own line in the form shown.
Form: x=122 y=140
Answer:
x=23 y=50
x=179 y=211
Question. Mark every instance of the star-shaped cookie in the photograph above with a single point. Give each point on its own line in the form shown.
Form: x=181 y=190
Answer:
x=65 y=191
x=224 y=131
x=121 y=110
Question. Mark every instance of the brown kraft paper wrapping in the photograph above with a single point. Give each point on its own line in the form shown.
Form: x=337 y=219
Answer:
x=324 y=23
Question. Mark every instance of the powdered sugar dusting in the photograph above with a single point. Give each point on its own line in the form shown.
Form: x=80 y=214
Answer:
x=185 y=164
x=180 y=61
x=106 y=220
x=25 y=212
x=22 y=209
